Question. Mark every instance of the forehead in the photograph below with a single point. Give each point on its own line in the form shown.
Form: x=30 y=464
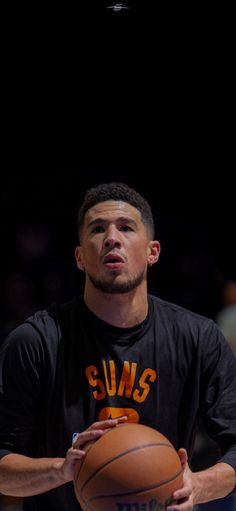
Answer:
x=112 y=210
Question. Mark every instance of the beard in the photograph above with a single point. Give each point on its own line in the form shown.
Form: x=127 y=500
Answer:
x=116 y=287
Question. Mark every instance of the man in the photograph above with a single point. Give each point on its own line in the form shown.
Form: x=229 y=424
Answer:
x=114 y=354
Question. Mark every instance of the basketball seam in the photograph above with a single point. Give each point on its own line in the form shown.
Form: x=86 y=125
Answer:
x=136 y=492
x=82 y=461
x=120 y=456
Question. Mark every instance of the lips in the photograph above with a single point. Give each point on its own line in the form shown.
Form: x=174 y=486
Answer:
x=113 y=258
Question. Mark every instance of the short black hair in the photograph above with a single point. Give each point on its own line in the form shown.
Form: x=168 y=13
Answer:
x=116 y=192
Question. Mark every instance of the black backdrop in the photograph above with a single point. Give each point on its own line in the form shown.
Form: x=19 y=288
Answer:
x=143 y=95
x=194 y=222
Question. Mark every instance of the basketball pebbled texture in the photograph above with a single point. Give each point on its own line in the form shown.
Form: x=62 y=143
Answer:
x=132 y=467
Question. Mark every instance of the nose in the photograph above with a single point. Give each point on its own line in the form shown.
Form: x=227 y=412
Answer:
x=111 y=238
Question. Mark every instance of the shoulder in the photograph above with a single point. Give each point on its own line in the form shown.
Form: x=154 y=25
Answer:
x=177 y=313
x=41 y=330
x=193 y=335
x=187 y=325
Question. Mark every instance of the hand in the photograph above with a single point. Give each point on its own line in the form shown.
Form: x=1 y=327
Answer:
x=183 y=496
x=76 y=452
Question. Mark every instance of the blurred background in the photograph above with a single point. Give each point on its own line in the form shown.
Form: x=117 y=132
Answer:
x=195 y=223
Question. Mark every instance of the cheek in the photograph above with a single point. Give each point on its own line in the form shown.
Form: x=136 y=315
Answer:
x=139 y=256
x=91 y=256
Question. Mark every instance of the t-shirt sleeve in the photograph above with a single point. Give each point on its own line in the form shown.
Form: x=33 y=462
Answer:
x=219 y=371
x=21 y=376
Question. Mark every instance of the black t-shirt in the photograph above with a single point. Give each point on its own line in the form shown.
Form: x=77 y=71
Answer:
x=64 y=369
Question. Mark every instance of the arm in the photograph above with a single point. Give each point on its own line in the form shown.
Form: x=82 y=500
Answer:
x=21 y=476
x=213 y=483
x=218 y=375
x=22 y=373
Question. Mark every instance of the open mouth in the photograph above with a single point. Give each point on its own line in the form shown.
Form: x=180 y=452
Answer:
x=113 y=260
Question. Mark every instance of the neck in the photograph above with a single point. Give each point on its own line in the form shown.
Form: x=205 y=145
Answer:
x=122 y=310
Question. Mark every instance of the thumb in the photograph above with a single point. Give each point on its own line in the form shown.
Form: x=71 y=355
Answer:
x=183 y=456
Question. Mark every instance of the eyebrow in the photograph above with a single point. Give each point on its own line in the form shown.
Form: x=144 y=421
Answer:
x=121 y=220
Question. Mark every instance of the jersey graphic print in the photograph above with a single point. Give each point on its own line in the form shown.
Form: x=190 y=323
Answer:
x=132 y=384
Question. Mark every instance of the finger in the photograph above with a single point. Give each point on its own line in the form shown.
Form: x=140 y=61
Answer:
x=108 y=423
x=87 y=436
x=183 y=493
x=183 y=505
x=183 y=455
x=122 y=419
x=92 y=433
x=74 y=454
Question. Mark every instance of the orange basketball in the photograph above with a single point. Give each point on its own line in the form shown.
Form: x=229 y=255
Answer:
x=130 y=468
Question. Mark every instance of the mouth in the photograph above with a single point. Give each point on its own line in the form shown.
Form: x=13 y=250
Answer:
x=113 y=261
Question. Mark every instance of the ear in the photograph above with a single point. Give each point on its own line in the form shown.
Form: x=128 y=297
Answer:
x=154 y=250
x=79 y=258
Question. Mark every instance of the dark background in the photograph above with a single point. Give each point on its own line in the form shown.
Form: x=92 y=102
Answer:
x=194 y=217
x=145 y=96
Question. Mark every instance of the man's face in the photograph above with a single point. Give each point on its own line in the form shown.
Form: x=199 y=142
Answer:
x=115 y=247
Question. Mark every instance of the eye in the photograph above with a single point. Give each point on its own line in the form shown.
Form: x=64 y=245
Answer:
x=97 y=229
x=126 y=228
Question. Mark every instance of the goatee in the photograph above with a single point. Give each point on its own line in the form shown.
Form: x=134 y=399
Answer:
x=116 y=287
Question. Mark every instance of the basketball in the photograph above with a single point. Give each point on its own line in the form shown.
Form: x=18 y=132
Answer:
x=132 y=467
